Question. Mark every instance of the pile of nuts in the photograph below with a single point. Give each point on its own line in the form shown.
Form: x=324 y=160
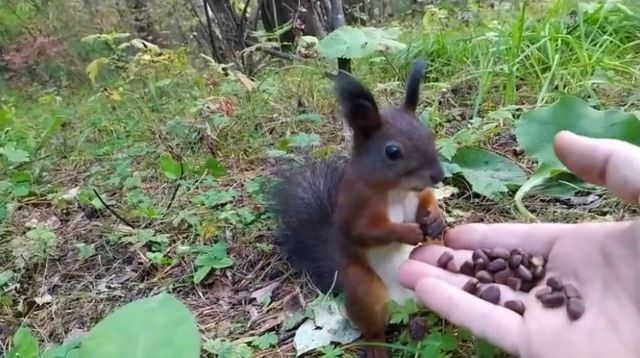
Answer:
x=520 y=271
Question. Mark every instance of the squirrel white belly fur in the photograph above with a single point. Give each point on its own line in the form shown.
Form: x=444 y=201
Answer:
x=385 y=260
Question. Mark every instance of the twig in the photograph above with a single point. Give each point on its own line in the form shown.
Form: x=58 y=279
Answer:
x=111 y=210
x=214 y=51
x=272 y=52
x=243 y=18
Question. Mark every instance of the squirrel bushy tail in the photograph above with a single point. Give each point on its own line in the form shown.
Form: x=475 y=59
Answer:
x=303 y=200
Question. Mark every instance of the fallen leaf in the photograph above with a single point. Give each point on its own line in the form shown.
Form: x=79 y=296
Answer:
x=71 y=194
x=329 y=325
x=52 y=222
x=225 y=106
x=44 y=299
x=445 y=191
x=246 y=82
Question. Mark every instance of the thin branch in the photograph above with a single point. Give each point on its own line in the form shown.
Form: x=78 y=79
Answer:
x=214 y=51
x=272 y=52
x=243 y=19
x=111 y=210
x=175 y=191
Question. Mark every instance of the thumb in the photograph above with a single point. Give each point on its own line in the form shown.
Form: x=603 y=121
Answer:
x=612 y=163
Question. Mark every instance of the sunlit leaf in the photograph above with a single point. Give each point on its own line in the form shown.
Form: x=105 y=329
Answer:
x=488 y=173
x=160 y=326
x=357 y=42
x=94 y=67
x=170 y=167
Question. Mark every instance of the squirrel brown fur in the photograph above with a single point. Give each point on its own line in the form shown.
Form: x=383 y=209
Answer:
x=350 y=224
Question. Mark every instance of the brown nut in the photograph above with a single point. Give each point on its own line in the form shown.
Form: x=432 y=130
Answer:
x=543 y=291
x=501 y=277
x=479 y=254
x=555 y=283
x=514 y=283
x=497 y=265
x=524 y=273
x=444 y=259
x=553 y=299
x=491 y=294
x=515 y=261
x=471 y=286
x=575 y=308
x=484 y=276
x=479 y=264
x=516 y=306
x=499 y=253
x=467 y=268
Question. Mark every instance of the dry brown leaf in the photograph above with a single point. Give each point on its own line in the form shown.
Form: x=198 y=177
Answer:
x=246 y=82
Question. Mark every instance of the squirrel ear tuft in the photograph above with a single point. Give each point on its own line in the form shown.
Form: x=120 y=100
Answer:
x=413 y=85
x=358 y=105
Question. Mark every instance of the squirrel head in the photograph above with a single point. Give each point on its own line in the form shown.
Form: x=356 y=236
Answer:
x=391 y=147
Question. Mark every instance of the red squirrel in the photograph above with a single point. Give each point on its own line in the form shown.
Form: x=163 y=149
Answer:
x=350 y=225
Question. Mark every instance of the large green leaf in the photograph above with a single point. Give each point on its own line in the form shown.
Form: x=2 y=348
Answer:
x=170 y=167
x=537 y=128
x=357 y=42
x=159 y=326
x=24 y=344
x=488 y=173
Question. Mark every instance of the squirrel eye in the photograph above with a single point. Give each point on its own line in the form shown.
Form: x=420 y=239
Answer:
x=393 y=152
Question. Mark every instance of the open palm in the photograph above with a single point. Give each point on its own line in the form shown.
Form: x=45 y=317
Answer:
x=601 y=259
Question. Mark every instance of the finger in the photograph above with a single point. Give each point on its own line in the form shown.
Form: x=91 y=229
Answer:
x=601 y=161
x=495 y=324
x=534 y=238
x=412 y=271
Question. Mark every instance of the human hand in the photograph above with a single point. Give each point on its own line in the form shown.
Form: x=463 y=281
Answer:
x=601 y=259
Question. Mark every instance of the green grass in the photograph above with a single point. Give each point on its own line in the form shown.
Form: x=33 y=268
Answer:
x=77 y=137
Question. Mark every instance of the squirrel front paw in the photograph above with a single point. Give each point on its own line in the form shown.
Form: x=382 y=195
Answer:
x=432 y=225
x=411 y=233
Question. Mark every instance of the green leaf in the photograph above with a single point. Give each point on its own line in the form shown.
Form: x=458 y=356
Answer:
x=214 y=168
x=543 y=173
x=488 y=173
x=309 y=117
x=69 y=349
x=221 y=347
x=85 y=251
x=331 y=351
x=357 y=42
x=401 y=313
x=303 y=139
x=485 y=349
x=437 y=343
x=537 y=128
x=170 y=167
x=93 y=68
x=160 y=326
x=447 y=147
x=213 y=257
x=201 y=273
x=293 y=320
x=265 y=341
x=214 y=198
x=23 y=344
x=5 y=277
x=15 y=155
